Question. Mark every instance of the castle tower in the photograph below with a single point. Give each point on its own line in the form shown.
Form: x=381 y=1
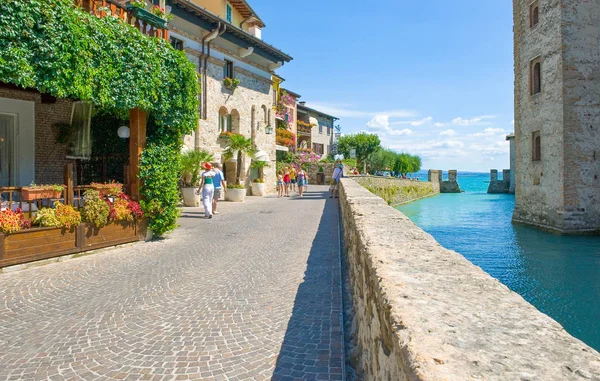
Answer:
x=557 y=114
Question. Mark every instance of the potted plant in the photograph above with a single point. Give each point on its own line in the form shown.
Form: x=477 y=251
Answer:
x=321 y=176
x=258 y=184
x=231 y=83
x=157 y=17
x=189 y=171
x=241 y=146
x=34 y=192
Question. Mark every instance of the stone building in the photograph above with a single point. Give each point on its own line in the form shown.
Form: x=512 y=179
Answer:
x=224 y=40
x=322 y=133
x=557 y=115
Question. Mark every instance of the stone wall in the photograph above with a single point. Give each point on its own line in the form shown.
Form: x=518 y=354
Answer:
x=328 y=168
x=50 y=156
x=422 y=312
x=398 y=191
x=499 y=186
x=446 y=186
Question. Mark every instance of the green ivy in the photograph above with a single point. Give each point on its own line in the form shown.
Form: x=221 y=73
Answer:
x=57 y=48
x=160 y=164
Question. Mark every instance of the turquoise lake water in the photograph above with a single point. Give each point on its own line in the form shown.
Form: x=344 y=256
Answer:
x=557 y=274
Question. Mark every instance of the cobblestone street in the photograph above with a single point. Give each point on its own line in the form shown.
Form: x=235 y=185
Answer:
x=252 y=294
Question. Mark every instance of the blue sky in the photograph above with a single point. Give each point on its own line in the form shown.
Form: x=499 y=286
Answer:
x=432 y=78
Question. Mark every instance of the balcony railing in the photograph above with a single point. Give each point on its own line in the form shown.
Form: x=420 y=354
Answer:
x=143 y=20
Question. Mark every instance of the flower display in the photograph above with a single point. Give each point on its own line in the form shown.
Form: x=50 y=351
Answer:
x=231 y=83
x=228 y=135
x=10 y=222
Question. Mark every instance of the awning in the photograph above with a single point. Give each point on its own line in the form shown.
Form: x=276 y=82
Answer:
x=261 y=156
x=282 y=148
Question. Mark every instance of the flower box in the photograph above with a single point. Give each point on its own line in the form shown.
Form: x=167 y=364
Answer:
x=32 y=194
x=147 y=16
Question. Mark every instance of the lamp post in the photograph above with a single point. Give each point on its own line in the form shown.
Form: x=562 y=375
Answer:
x=268 y=130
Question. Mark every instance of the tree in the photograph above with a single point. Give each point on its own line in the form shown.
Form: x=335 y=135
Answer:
x=365 y=145
x=241 y=145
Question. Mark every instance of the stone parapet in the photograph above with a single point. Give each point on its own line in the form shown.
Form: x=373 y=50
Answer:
x=423 y=312
x=398 y=191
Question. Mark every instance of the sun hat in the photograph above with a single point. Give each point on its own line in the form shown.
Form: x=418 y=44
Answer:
x=207 y=166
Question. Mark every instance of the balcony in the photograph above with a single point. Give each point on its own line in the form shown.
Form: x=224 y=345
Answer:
x=142 y=18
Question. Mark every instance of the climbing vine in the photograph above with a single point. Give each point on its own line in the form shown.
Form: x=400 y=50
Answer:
x=57 y=48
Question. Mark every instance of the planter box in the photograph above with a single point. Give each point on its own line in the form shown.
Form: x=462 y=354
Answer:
x=236 y=195
x=35 y=244
x=43 y=243
x=115 y=233
x=320 y=178
x=149 y=17
x=104 y=189
x=30 y=194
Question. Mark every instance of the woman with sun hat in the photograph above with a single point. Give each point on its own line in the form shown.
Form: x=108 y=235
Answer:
x=208 y=189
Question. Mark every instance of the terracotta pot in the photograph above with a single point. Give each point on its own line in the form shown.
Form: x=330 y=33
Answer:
x=29 y=194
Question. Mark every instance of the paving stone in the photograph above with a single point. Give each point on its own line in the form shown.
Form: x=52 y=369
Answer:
x=252 y=294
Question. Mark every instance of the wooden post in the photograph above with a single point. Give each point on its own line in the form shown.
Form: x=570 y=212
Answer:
x=137 y=142
x=68 y=191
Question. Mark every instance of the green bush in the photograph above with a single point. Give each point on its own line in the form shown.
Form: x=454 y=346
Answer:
x=159 y=172
x=95 y=209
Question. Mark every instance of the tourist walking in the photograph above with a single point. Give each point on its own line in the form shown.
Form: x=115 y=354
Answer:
x=301 y=177
x=280 y=184
x=220 y=186
x=286 y=182
x=338 y=173
x=208 y=189
x=293 y=179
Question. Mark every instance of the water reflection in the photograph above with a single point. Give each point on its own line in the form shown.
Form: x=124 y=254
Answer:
x=559 y=275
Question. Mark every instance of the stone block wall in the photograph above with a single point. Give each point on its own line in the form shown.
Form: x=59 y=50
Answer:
x=422 y=312
x=499 y=186
x=328 y=168
x=449 y=186
x=50 y=156
x=398 y=191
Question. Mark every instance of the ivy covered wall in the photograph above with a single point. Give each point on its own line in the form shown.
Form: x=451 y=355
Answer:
x=57 y=48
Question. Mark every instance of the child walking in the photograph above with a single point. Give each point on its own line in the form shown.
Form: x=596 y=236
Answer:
x=280 y=184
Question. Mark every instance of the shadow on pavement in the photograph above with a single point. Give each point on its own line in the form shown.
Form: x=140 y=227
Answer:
x=312 y=346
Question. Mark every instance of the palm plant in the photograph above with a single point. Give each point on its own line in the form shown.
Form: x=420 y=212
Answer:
x=241 y=145
x=191 y=162
x=260 y=165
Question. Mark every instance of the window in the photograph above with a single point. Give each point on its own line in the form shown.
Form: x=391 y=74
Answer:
x=536 y=76
x=328 y=131
x=80 y=146
x=225 y=123
x=536 y=146
x=228 y=69
x=229 y=12
x=176 y=43
x=318 y=148
x=320 y=128
x=534 y=14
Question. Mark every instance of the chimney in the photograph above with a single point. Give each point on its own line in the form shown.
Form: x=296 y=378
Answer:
x=255 y=31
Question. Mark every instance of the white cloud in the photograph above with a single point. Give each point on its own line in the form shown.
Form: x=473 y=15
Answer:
x=379 y=122
x=490 y=132
x=490 y=151
x=448 y=133
x=470 y=122
x=448 y=144
x=405 y=131
x=347 y=111
x=416 y=123
x=438 y=124
x=382 y=123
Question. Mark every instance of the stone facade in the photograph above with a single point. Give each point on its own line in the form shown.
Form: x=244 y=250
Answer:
x=50 y=156
x=321 y=132
x=561 y=189
x=251 y=108
x=422 y=312
x=511 y=140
